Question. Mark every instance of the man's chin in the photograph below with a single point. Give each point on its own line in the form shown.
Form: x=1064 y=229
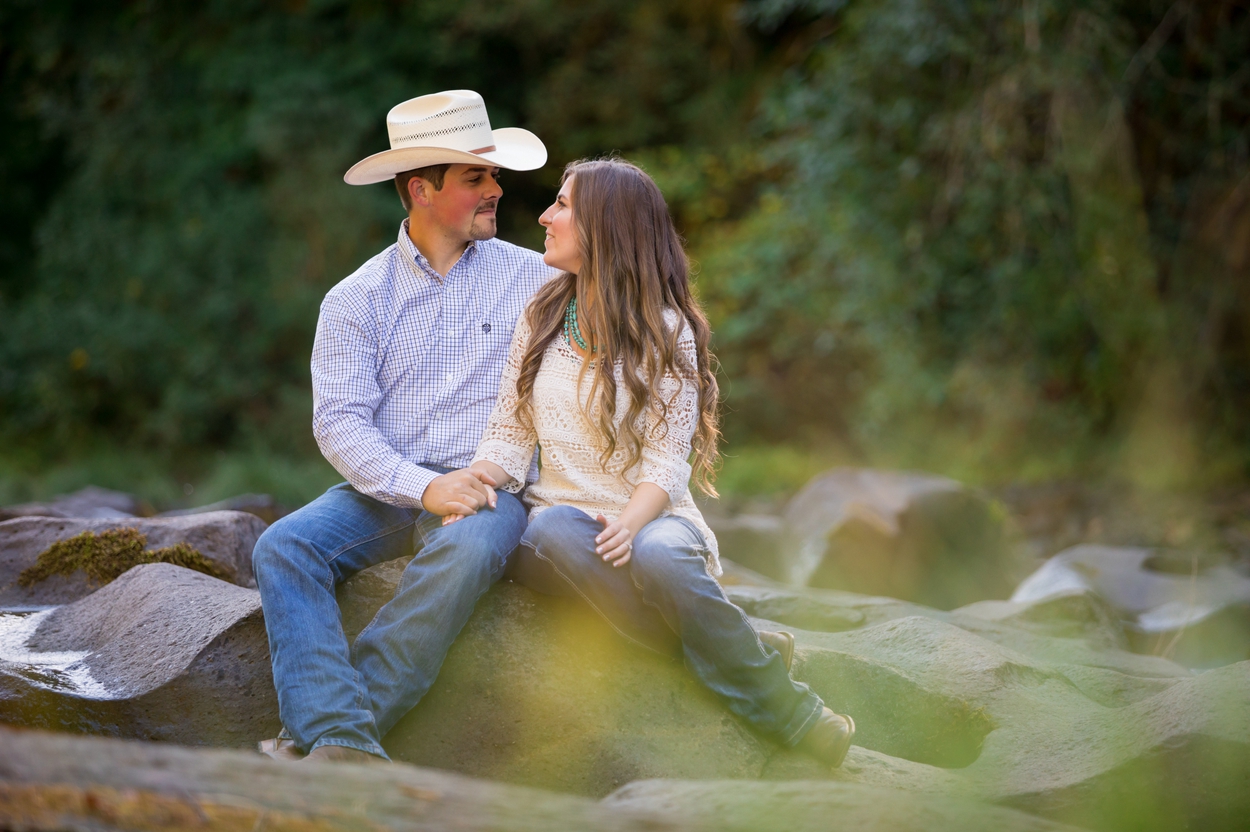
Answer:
x=483 y=229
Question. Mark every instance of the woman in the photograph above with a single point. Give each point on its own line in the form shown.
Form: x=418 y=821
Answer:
x=610 y=374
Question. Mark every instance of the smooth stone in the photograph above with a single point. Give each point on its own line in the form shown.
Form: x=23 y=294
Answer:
x=1197 y=612
x=904 y=535
x=55 y=782
x=89 y=502
x=224 y=537
x=166 y=654
x=734 y=806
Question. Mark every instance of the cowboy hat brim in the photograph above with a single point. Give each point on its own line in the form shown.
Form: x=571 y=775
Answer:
x=515 y=149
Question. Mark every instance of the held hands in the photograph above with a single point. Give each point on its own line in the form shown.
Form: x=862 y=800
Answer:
x=459 y=493
x=615 y=544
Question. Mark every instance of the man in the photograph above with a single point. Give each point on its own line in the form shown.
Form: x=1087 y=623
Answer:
x=405 y=367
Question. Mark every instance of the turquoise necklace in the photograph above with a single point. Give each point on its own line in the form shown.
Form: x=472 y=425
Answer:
x=572 y=333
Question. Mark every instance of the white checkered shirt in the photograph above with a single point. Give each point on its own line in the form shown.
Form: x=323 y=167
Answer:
x=406 y=364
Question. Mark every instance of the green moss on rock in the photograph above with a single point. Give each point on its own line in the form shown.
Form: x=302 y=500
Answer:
x=107 y=555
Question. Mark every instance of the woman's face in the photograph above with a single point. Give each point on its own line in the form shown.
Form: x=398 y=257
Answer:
x=561 y=244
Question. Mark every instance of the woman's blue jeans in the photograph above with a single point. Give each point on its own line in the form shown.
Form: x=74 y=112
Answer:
x=333 y=694
x=664 y=599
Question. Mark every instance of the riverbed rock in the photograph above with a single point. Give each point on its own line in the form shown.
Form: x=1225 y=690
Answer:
x=1037 y=707
x=1197 y=612
x=755 y=541
x=56 y=782
x=161 y=653
x=224 y=537
x=735 y=806
x=905 y=535
x=89 y=502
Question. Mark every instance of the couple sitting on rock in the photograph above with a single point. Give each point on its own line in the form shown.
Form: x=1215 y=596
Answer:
x=438 y=368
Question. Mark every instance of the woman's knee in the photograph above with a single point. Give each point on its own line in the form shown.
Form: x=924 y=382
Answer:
x=665 y=548
x=558 y=530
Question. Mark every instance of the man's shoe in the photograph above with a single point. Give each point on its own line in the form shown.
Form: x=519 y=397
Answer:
x=829 y=739
x=341 y=754
x=281 y=749
x=782 y=642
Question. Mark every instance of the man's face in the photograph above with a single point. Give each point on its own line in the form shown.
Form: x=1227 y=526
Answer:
x=465 y=206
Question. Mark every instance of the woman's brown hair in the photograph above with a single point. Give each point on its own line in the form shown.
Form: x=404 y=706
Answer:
x=633 y=268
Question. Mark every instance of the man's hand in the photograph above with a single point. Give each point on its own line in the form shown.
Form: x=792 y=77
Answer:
x=460 y=492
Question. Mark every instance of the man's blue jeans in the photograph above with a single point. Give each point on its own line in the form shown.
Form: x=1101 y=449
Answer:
x=664 y=599
x=328 y=693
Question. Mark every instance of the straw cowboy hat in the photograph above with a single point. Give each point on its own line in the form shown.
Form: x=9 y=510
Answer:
x=447 y=128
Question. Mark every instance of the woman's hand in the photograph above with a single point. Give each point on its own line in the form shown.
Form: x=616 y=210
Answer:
x=615 y=544
x=489 y=475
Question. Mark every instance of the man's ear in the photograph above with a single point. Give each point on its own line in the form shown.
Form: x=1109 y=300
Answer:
x=419 y=191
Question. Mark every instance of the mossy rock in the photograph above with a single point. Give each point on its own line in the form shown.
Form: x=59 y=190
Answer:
x=105 y=556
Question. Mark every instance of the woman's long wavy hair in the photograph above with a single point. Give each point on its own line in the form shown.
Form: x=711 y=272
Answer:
x=633 y=268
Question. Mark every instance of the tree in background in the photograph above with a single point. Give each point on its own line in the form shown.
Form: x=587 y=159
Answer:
x=1018 y=229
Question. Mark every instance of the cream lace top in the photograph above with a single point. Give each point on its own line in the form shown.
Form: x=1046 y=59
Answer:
x=569 y=445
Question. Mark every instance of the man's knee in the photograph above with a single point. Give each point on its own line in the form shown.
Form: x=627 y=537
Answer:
x=492 y=532
x=274 y=545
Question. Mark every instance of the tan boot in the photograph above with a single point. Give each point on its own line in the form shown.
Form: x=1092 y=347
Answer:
x=281 y=749
x=342 y=754
x=782 y=642
x=829 y=739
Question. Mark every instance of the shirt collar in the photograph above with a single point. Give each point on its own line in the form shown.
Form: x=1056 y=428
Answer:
x=416 y=260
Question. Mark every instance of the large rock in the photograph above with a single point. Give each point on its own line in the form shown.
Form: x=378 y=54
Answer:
x=1199 y=613
x=904 y=535
x=161 y=653
x=734 y=806
x=1075 y=728
x=1037 y=706
x=89 y=502
x=224 y=537
x=755 y=541
x=538 y=691
x=54 y=783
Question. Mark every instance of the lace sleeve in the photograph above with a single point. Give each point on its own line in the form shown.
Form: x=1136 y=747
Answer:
x=666 y=445
x=507 y=442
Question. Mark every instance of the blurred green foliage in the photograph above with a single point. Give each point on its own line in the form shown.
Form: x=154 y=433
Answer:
x=996 y=239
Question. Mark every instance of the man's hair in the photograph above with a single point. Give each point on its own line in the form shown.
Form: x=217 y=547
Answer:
x=431 y=173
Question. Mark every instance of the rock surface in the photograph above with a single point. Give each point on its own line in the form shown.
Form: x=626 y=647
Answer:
x=225 y=537
x=1199 y=614
x=734 y=806
x=914 y=536
x=161 y=653
x=1034 y=706
x=50 y=782
x=89 y=502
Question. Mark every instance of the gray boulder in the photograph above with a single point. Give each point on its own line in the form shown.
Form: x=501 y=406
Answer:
x=225 y=537
x=89 y=502
x=1197 y=612
x=161 y=653
x=735 y=806
x=904 y=535
x=539 y=691
x=58 y=782
x=1037 y=707
x=755 y=541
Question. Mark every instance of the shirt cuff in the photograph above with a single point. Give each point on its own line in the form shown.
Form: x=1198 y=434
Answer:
x=671 y=475
x=515 y=461
x=410 y=484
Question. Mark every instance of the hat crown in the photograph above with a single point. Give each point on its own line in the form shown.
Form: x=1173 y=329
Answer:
x=456 y=119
